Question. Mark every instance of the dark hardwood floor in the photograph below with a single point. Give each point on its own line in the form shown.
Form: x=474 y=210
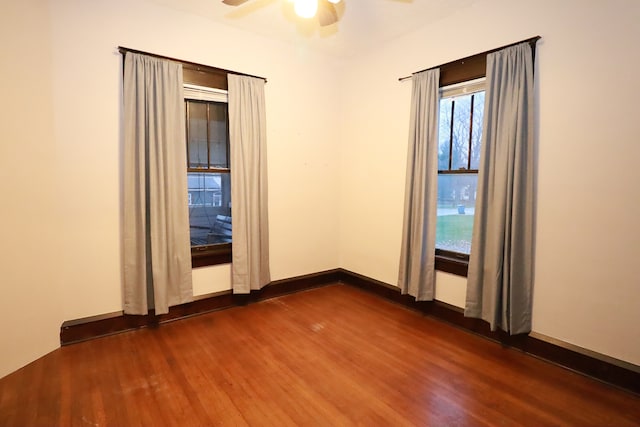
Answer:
x=331 y=356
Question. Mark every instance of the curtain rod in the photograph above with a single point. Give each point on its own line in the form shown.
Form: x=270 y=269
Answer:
x=124 y=50
x=531 y=40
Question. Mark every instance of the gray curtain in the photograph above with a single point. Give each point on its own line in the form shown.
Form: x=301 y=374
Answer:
x=417 y=254
x=157 y=251
x=248 y=142
x=499 y=287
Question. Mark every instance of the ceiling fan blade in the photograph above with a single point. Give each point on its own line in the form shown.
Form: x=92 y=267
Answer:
x=327 y=13
x=234 y=2
x=248 y=8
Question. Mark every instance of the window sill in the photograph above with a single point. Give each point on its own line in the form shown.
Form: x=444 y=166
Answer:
x=452 y=264
x=202 y=256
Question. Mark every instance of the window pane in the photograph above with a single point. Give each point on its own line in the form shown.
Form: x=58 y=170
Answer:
x=218 y=135
x=476 y=134
x=197 y=126
x=444 y=133
x=209 y=208
x=456 y=206
x=461 y=119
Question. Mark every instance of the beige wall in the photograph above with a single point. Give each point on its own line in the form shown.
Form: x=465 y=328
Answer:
x=336 y=157
x=587 y=283
x=30 y=306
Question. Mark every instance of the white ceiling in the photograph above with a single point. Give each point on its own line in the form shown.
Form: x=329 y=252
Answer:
x=364 y=24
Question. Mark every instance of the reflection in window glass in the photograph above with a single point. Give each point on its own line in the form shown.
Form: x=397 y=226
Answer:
x=197 y=131
x=218 y=150
x=210 y=208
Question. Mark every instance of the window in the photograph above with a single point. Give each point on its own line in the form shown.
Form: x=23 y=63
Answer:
x=459 y=136
x=458 y=163
x=459 y=80
x=208 y=173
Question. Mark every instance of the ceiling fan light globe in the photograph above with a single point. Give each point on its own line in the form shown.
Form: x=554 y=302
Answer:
x=306 y=8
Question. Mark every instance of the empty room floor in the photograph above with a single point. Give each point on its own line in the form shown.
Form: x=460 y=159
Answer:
x=331 y=356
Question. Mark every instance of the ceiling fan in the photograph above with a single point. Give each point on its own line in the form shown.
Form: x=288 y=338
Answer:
x=325 y=10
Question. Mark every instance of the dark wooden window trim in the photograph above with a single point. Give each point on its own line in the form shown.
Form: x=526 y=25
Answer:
x=206 y=255
x=202 y=256
x=452 y=262
x=463 y=70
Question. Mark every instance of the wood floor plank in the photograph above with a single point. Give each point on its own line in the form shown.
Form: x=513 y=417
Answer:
x=332 y=356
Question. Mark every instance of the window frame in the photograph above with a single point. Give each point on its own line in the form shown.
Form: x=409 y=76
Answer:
x=214 y=78
x=446 y=260
x=464 y=70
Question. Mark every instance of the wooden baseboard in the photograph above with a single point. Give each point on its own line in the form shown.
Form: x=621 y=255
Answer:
x=596 y=366
x=74 y=331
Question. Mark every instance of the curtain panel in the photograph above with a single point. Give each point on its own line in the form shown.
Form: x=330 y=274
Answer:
x=249 y=196
x=499 y=287
x=417 y=255
x=156 y=247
